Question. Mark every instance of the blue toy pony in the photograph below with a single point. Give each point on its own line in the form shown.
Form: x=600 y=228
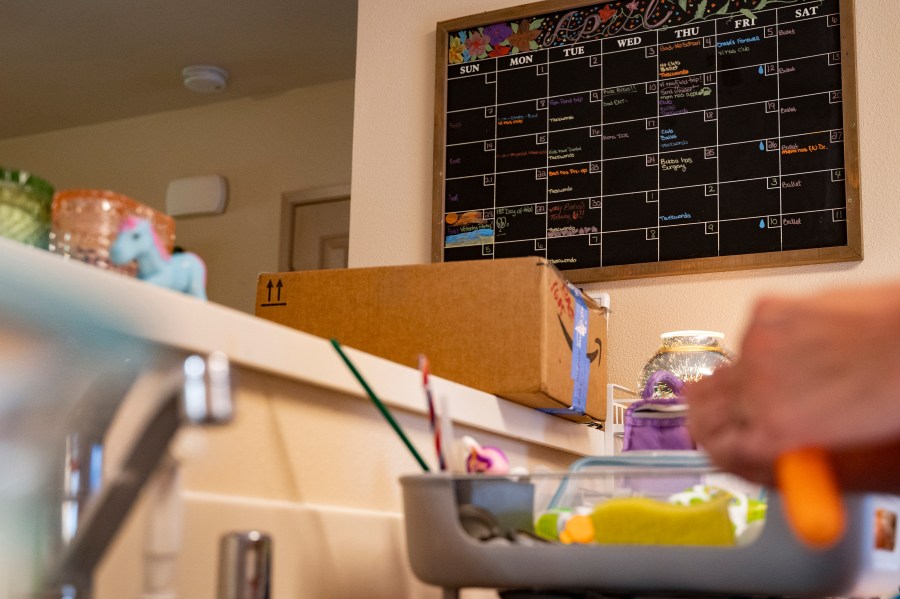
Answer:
x=137 y=241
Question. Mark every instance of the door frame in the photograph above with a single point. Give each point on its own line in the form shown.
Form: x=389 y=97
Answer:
x=292 y=199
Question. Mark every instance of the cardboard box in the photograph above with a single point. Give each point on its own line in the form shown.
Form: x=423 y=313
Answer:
x=504 y=326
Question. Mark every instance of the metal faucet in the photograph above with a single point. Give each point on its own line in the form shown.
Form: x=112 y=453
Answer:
x=92 y=510
x=245 y=566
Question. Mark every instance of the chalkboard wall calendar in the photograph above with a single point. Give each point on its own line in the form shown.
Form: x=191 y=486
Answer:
x=638 y=138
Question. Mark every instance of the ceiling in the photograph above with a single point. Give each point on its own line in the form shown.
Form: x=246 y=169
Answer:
x=65 y=63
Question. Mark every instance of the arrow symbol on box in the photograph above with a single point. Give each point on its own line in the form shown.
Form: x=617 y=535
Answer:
x=269 y=288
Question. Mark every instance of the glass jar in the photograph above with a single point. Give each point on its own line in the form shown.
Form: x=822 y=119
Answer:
x=25 y=207
x=689 y=355
x=85 y=223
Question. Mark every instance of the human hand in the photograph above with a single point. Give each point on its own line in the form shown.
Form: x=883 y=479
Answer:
x=817 y=371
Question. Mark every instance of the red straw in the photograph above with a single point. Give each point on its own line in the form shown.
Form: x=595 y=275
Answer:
x=432 y=417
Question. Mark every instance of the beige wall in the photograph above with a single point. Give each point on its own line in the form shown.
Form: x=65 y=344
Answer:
x=302 y=139
x=392 y=175
x=265 y=146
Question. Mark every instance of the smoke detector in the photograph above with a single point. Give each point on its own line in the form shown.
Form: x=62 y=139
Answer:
x=204 y=79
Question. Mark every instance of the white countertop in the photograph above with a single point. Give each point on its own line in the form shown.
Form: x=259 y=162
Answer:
x=45 y=292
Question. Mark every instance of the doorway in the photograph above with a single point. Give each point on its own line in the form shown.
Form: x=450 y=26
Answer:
x=315 y=228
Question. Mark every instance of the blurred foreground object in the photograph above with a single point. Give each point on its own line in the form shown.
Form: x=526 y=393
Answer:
x=812 y=499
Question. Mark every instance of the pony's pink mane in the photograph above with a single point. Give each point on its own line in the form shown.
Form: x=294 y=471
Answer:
x=131 y=222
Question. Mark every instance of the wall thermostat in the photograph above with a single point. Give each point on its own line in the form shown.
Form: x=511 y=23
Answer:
x=206 y=194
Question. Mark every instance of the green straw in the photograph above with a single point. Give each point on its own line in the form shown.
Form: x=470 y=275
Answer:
x=378 y=404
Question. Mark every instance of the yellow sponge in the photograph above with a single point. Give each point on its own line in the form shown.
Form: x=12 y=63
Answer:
x=645 y=521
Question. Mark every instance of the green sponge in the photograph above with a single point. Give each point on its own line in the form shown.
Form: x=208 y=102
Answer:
x=645 y=521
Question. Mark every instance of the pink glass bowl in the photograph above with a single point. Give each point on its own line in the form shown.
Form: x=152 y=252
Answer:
x=85 y=223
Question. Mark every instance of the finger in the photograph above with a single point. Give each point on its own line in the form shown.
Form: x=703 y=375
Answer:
x=721 y=420
x=728 y=450
x=709 y=402
x=772 y=312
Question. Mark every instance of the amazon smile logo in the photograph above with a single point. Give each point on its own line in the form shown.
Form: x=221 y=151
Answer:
x=590 y=355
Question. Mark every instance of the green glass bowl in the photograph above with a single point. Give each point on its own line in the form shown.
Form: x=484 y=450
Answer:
x=25 y=207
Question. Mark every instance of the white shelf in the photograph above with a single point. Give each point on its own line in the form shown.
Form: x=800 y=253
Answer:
x=616 y=406
x=52 y=294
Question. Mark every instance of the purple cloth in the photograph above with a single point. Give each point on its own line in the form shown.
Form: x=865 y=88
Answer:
x=666 y=431
x=662 y=376
x=658 y=423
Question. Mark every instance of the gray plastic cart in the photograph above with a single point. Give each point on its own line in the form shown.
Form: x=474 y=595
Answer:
x=446 y=550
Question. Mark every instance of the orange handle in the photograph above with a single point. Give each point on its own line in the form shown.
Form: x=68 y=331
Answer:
x=812 y=500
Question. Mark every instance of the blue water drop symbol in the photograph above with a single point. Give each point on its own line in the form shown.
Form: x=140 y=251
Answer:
x=762 y=223
x=761 y=70
x=762 y=147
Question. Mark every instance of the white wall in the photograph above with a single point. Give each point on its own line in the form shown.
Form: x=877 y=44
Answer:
x=392 y=176
x=264 y=146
